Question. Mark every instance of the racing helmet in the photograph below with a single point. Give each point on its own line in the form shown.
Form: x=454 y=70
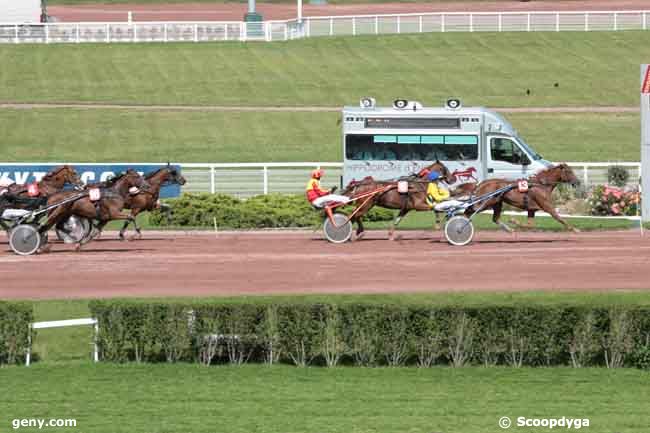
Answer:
x=317 y=174
x=433 y=176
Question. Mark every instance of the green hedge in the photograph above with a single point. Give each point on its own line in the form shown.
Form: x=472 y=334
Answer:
x=262 y=211
x=15 y=318
x=373 y=334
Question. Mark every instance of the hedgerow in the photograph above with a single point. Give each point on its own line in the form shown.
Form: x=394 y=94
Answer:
x=15 y=318
x=262 y=211
x=373 y=334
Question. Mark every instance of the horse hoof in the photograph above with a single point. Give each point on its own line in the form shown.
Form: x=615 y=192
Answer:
x=77 y=248
x=45 y=249
x=360 y=236
x=576 y=230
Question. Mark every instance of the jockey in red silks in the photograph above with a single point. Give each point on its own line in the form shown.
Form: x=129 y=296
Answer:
x=317 y=196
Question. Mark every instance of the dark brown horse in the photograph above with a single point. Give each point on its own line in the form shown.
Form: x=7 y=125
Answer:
x=114 y=194
x=148 y=200
x=51 y=183
x=537 y=197
x=415 y=199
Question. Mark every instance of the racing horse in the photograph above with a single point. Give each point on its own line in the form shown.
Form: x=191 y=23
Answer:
x=537 y=195
x=109 y=206
x=51 y=183
x=415 y=199
x=19 y=196
x=147 y=200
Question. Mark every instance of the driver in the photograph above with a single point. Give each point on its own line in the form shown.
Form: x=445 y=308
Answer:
x=319 y=197
x=438 y=195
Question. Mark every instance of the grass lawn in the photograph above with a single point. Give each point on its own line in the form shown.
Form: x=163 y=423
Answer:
x=134 y=136
x=481 y=68
x=190 y=398
x=424 y=220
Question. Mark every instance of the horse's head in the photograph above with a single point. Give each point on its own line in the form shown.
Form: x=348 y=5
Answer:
x=175 y=176
x=441 y=168
x=60 y=176
x=560 y=173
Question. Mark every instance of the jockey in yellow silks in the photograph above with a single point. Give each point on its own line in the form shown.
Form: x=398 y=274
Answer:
x=435 y=193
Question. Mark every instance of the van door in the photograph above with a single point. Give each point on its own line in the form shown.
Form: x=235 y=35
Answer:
x=506 y=160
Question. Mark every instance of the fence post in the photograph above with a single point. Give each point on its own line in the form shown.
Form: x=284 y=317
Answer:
x=108 y=33
x=95 y=346
x=645 y=21
x=135 y=32
x=471 y=23
x=16 y=33
x=78 y=31
x=557 y=21
x=585 y=176
x=354 y=26
x=308 y=32
x=500 y=24
x=47 y=33
x=286 y=32
x=196 y=32
x=225 y=32
x=615 y=21
x=442 y=23
x=165 y=33
x=399 y=24
x=212 y=183
x=420 y=24
x=266 y=180
x=586 y=21
x=528 y=22
x=376 y=25
x=331 y=26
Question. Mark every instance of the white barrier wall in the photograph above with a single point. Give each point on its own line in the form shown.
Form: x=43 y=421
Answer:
x=20 y=11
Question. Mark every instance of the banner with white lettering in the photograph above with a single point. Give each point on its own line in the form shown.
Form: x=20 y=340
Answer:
x=26 y=173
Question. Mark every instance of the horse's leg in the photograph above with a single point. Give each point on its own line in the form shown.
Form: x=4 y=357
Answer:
x=134 y=213
x=395 y=223
x=547 y=207
x=496 y=216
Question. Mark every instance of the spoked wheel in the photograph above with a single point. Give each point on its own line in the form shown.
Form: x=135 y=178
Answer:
x=73 y=230
x=459 y=230
x=340 y=231
x=25 y=239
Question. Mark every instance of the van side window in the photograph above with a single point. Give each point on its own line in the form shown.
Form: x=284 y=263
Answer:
x=504 y=149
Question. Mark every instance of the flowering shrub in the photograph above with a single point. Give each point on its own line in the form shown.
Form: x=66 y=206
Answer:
x=606 y=200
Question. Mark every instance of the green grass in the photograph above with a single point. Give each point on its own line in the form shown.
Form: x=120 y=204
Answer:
x=134 y=135
x=189 y=398
x=424 y=221
x=599 y=68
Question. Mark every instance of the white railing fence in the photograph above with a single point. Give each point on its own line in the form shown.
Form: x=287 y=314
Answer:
x=212 y=31
x=245 y=180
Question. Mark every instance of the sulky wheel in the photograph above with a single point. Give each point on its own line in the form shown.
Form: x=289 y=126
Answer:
x=25 y=239
x=459 y=230
x=73 y=230
x=340 y=231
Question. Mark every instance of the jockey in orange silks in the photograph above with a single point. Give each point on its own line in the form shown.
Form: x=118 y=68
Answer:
x=317 y=196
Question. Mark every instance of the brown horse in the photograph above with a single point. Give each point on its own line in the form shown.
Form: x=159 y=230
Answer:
x=147 y=200
x=51 y=183
x=415 y=199
x=537 y=197
x=114 y=194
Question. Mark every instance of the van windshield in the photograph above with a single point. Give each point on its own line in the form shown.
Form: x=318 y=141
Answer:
x=536 y=156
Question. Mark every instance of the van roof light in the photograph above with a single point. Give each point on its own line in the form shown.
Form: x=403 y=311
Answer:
x=367 y=102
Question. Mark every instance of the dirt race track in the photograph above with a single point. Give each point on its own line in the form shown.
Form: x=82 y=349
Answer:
x=201 y=264
x=275 y=11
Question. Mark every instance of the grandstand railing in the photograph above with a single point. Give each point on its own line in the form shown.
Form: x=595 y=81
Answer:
x=212 y=31
x=245 y=180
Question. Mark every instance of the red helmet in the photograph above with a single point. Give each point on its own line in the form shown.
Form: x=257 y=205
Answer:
x=317 y=174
